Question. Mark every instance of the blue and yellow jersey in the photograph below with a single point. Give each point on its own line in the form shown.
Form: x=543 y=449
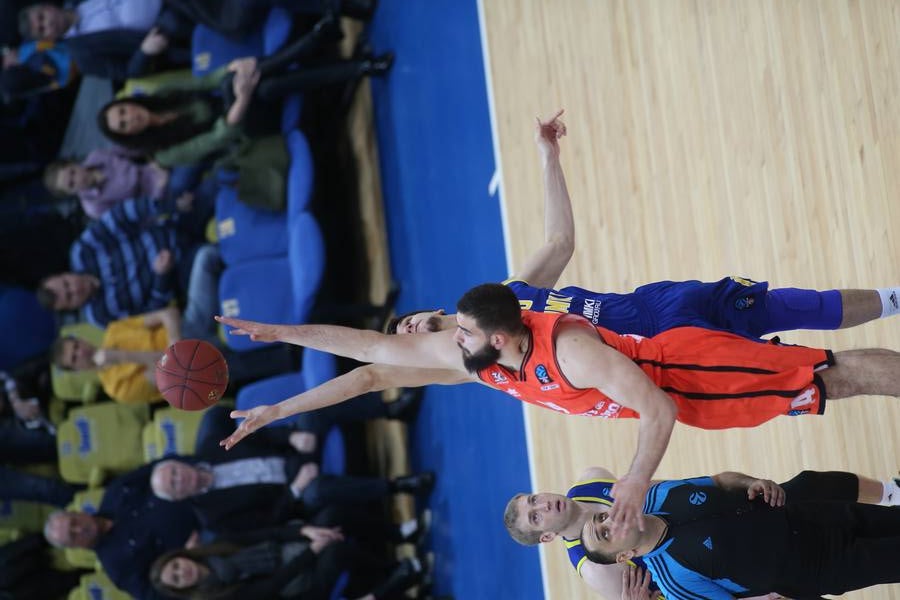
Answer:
x=590 y=491
x=733 y=304
x=48 y=58
x=597 y=491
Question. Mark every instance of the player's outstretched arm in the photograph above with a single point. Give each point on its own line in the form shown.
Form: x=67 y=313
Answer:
x=427 y=351
x=368 y=378
x=587 y=362
x=544 y=267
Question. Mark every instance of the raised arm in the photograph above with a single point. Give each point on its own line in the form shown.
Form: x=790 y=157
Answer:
x=544 y=267
x=587 y=362
x=368 y=378
x=424 y=350
x=168 y=318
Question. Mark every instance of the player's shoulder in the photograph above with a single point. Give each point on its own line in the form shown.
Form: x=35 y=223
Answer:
x=594 y=473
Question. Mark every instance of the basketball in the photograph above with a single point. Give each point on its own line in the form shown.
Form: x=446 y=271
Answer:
x=192 y=375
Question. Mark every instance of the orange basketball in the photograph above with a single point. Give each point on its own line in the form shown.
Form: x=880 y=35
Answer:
x=192 y=375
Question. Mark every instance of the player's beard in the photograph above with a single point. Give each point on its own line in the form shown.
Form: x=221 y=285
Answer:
x=482 y=358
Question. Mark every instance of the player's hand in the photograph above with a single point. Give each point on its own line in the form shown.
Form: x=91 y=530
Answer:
x=155 y=42
x=258 y=332
x=254 y=418
x=193 y=541
x=771 y=492
x=636 y=584
x=307 y=473
x=320 y=537
x=303 y=441
x=185 y=202
x=163 y=262
x=246 y=76
x=627 y=510
x=547 y=134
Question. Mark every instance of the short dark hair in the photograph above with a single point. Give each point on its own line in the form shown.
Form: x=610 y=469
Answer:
x=494 y=307
x=51 y=172
x=25 y=21
x=57 y=350
x=598 y=556
x=390 y=327
x=45 y=296
x=510 y=516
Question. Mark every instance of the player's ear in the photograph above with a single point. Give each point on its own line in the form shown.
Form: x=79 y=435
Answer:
x=548 y=536
x=440 y=311
x=498 y=340
x=624 y=556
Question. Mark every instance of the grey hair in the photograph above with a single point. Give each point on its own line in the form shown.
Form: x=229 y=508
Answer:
x=51 y=517
x=159 y=493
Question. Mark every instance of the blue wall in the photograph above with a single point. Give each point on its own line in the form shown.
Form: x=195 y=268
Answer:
x=445 y=235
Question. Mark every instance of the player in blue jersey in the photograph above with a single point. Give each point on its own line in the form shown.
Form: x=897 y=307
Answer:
x=701 y=541
x=735 y=304
x=543 y=517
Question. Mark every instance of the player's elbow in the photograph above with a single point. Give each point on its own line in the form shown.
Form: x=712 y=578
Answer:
x=367 y=377
x=563 y=244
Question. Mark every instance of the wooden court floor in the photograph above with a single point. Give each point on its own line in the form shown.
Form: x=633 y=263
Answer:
x=710 y=138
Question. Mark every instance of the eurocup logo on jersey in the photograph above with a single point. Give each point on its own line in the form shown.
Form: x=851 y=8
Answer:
x=499 y=378
x=744 y=303
x=697 y=498
x=542 y=375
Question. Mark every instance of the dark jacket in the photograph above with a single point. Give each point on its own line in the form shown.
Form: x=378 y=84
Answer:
x=144 y=527
x=116 y=54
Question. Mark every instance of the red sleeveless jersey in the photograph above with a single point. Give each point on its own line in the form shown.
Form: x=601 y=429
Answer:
x=717 y=379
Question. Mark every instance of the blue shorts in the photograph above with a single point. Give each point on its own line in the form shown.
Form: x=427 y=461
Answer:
x=732 y=304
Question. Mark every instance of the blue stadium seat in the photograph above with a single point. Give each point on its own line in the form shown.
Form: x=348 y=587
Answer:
x=246 y=233
x=306 y=255
x=277 y=388
x=337 y=592
x=269 y=391
x=211 y=50
x=334 y=453
x=290 y=115
x=258 y=289
x=318 y=367
x=276 y=30
x=300 y=173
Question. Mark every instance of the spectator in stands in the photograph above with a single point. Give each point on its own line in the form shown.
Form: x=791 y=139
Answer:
x=35 y=68
x=26 y=435
x=186 y=123
x=132 y=261
x=129 y=531
x=265 y=489
x=126 y=359
x=27 y=570
x=294 y=561
x=106 y=177
x=19 y=485
x=110 y=40
x=131 y=38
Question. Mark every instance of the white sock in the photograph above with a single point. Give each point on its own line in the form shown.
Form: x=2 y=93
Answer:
x=890 y=301
x=890 y=496
x=407 y=528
